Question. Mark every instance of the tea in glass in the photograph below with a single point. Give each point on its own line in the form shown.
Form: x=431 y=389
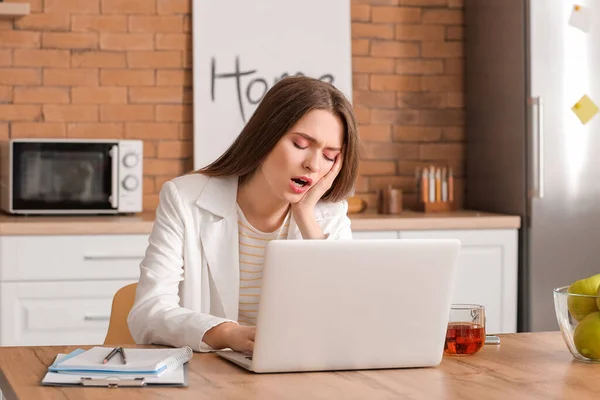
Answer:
x=466 y=330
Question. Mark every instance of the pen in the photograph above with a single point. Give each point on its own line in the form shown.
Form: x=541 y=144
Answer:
x=122 y=351
x=110 y=355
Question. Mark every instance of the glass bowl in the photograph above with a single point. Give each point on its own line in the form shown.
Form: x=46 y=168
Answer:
x=568 y=325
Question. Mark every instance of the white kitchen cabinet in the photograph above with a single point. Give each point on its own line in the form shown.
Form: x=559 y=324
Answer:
x=487 y=270
x=58 y=289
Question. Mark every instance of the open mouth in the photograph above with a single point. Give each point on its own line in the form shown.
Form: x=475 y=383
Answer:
x=300 y=182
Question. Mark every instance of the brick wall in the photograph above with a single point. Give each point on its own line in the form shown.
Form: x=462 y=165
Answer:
x=122 y=69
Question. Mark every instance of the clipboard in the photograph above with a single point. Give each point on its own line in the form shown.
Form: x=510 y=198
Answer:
x=176 y=378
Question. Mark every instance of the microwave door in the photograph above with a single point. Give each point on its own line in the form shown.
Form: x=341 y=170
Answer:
x=65 y=177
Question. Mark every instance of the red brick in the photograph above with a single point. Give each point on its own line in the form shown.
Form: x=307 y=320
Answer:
x=367 y=30
x=456 y=3
x=363 y=114
x=70 y=77
x=423 y=2
x=453 y=134
x=397 y=117
x=72 y=6
x=443 y=83
x=375 y=133
x=5 y=58
x=153 y=130
x=128 y=7
x=395 y=82
x=44 y=22
x=126 y=41
x=419 y=67
x=156 y=95
x=156 y=23
x=409 y=167
x=188 y=58
x=372 y=65
x=149 y=148
x=441 y=151
x=406 y=183
x=99 y=23
x=70 y=113
x=154 y=59
x=416 y=134
x=360 y=12
x=437 y=16
x=455 y=100
x=124 y=113
x=454 y=33
x=41 y=58
x=41 y=95
x=173 y=41
x=19 y=39
x=392 y=151
x=441 y=49
x=148 y=185
x=395 y=14
x=35 y=6
x=419 y=32
x=101 y=59
x=375 y=99
x=99 y=95
x=156 y=166
x=12 y=112
x=37 y=130
x=20 y=76
x=174 y=113
x=3 y=131
x=175 y=149
x=360 y=82
x=150 y=202
x=422 y=100
x=378 y=2
x=367 y=168
x=454 y=66
x=187 y=131
x=447 y=117
x=127 y=77
x=174 y=6
x=96 y=130
x=69 y=40
x=6 y=94
x=360 y=47
x=394 y=49
x=187 y=23
x=168 y=77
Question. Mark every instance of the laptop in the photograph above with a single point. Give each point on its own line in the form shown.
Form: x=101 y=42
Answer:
x=352 y=304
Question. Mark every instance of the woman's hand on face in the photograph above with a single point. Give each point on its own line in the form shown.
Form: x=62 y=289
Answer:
x=313 y=195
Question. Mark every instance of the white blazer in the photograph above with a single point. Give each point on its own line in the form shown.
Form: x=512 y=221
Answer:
x=190 y=275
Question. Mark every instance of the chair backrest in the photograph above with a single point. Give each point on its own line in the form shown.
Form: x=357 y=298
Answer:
x=118 y=330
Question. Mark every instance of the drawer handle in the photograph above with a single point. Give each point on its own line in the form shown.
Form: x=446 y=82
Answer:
x=96 y=317
x=101 y=258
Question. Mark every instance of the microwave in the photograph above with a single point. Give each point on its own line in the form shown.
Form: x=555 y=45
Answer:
x=71 y=176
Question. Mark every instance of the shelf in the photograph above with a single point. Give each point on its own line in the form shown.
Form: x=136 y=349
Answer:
x=13 y=10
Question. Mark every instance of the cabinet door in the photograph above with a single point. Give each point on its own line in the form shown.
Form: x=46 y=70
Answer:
x=487 y=272
x=56 y=313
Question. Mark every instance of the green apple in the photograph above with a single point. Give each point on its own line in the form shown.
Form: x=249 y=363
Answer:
x=587 y=336
x=579 y=307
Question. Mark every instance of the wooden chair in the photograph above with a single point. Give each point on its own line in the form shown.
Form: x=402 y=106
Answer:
x=118 y=330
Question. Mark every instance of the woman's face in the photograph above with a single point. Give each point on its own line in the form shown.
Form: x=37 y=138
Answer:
x=303 y=155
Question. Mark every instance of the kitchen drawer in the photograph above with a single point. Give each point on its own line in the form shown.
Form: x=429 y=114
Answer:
x=56 y=313
x=61 y=257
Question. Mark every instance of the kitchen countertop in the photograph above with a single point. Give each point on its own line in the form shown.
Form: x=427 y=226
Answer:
x=142 y=223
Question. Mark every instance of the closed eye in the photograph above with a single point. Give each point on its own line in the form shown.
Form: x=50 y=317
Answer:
x=329 y=159
x=299 y=147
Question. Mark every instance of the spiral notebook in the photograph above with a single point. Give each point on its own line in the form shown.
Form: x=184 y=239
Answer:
x=148 y=362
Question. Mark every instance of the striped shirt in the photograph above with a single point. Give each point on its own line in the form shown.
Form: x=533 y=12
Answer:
x=252 y=244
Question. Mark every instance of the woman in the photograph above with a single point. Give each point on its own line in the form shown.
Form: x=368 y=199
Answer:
x=285 y=177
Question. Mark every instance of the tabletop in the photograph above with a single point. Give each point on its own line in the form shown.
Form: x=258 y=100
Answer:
x=523 y=366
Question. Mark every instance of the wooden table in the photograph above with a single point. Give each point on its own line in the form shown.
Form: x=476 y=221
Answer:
x=524 y=366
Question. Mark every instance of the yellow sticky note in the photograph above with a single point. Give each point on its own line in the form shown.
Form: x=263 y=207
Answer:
x=581 y=18
x=585 y=109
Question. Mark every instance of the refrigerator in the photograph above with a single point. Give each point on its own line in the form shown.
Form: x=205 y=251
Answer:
x=527 y=65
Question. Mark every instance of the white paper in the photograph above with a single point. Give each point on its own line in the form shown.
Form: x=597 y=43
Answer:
x=581 y=18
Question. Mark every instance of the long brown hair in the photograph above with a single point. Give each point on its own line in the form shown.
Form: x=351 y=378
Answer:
x=283 y=105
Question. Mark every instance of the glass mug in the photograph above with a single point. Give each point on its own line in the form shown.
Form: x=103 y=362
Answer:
x=466 y=329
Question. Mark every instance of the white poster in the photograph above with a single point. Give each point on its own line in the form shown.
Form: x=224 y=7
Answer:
x=243 y=47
